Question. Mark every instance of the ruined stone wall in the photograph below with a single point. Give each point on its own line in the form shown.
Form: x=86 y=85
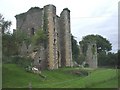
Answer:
x=58 y=40
x=31 y=20
x=40 y=58
x=23 y=49
x=91 y=55
x=58 y=50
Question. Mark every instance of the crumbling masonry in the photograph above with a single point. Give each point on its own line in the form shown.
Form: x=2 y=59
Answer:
x=58 y=52
x=90 y=56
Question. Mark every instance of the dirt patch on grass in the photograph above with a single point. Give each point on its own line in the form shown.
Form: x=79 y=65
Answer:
x=78 y=72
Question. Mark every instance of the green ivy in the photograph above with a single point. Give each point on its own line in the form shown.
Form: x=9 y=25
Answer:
x=39 y=38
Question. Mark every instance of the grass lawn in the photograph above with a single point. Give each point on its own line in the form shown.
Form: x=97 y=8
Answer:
x=16 y=77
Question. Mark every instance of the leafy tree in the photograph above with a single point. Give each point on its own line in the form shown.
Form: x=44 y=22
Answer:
x=9 y=47
x=109 y=60
x=12 y=42
x=112 y=59
x=4 y=25
x=75 y=49
x=21 y=36
x=102 y=43
x=39 y=38
x=103 y=47
x=7 y=44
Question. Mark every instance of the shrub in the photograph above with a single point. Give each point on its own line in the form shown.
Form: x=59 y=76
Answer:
x=21 y=61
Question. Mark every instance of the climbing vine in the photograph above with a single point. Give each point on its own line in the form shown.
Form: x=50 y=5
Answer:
x=39 y=37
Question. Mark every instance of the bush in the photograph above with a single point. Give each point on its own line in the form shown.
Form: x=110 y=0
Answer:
x=86 y=65
x=21 y=61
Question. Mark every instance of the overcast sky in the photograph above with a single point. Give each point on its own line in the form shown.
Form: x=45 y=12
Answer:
x=87 y=16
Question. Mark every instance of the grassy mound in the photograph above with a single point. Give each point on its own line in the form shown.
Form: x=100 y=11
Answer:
x=17 y=77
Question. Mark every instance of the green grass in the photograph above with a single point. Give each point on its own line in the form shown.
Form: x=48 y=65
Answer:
x=108 y=84
x=17 y=77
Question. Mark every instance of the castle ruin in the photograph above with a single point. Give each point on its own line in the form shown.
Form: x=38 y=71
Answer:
x=90 y=55
x=58 y=52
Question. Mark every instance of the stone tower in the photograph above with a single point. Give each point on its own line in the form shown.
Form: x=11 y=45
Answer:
x=66 y=35
x=91 y=55
x=58 y=52
x=50 y=19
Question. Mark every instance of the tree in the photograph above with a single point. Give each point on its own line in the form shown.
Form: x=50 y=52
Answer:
x=6 y=37
x=75 y=49
x=10 y=50
x=109 y=60
x=12 y=42
x=103 y=47
x=7 y=44
x=102 y=43
x=39 y=38
x=21 y=36
x=4 y=25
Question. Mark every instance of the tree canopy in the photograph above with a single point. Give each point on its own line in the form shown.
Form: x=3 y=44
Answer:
x=4 y=25
x=102 y=43
x=75 y=49
x=21 y=36
x=39 y=37
x=105 y=57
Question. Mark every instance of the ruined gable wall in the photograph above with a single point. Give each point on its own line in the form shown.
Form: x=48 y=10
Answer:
x=20 y=20
x=33 y=18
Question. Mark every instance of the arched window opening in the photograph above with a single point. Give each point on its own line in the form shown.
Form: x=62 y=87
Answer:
x=54 y=20
x=54 y=42
x=40 y=61
x=32 y=31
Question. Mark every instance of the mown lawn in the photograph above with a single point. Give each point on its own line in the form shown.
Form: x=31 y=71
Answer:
x=17 y=77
